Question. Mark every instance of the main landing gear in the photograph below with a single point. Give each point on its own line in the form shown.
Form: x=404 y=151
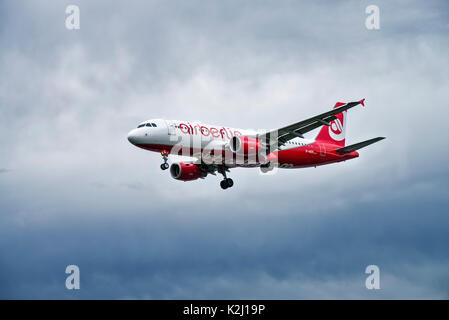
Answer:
x=226 y=182
x=165 y=165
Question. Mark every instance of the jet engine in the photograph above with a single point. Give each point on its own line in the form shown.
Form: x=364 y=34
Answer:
x=186 y=171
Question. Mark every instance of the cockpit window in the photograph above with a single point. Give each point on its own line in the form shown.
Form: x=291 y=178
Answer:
x=149 y=124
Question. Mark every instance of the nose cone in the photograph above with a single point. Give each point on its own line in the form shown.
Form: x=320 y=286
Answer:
x=132 y=136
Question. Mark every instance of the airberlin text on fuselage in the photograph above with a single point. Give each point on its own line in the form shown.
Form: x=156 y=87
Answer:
x=205 y=131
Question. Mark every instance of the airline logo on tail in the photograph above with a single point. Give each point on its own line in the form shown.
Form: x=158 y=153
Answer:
x=337 y=128
x=335 y=131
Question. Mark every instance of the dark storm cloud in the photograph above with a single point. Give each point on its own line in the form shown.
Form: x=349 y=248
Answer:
x=179 y=254
x=79 y=193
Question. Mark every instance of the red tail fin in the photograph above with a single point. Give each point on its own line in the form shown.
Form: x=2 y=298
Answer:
x=335 y=133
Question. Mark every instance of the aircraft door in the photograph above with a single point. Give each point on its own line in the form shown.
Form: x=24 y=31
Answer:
x=171 y=128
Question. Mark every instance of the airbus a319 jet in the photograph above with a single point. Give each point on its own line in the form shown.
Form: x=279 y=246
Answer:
x=216 y=149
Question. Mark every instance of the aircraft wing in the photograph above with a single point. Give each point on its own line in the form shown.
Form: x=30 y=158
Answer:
x=280 y=136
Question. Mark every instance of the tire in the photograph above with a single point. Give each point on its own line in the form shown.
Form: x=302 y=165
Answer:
x=229 y=182
x=223 y=184
x=164 y=166
x=264 y=169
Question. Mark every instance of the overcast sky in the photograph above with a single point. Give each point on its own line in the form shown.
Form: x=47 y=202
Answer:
x=73 y=190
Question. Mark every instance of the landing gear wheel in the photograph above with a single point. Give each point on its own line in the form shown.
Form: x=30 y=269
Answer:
x=164 y=166
x=264 y=169
x=226 y=183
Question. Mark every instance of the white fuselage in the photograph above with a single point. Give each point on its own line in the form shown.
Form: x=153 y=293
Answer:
x=159 y=134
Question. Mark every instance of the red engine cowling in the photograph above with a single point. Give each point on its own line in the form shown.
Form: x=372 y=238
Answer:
x=249 y=148
x=185 y=171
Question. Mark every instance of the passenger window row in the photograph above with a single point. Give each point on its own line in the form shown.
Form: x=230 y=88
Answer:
x=297 y=143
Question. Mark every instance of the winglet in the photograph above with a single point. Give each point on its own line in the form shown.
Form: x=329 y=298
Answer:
x=362 y=102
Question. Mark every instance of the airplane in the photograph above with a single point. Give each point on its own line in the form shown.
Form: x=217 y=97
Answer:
x=217 y=149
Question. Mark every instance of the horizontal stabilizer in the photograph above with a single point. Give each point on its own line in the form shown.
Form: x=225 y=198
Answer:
x=354 y=147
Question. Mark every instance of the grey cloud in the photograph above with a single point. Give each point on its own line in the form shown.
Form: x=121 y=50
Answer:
x=166 y=253
x=134 y=186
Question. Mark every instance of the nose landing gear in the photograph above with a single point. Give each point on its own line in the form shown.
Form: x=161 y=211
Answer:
x=226 y=182
x=164 y=154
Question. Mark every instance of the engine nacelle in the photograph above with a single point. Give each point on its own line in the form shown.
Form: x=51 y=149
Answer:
x=248 y=148
x=185 y=171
